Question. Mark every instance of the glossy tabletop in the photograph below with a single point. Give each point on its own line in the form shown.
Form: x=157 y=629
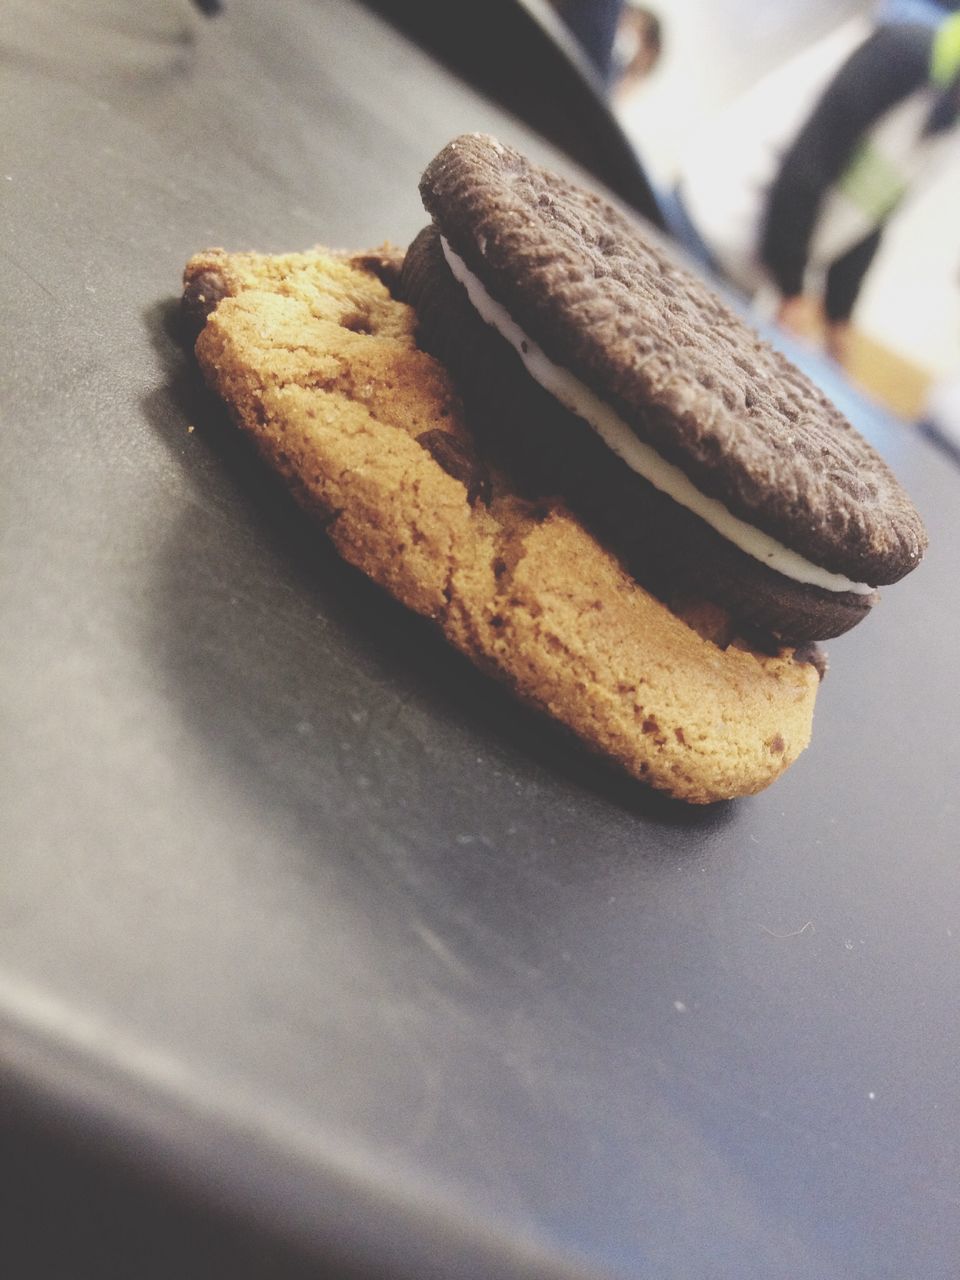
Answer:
x=303 y=919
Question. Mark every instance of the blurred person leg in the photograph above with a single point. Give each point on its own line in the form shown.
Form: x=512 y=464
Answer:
x=637 y=47
x=681 y=227
x=930 y=12
x=594 y=23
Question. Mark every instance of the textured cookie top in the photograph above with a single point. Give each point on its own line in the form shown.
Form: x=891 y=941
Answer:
x=605 y=299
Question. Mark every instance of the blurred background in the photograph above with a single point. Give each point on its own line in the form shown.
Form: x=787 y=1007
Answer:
x=686 y=76
x=806 y=154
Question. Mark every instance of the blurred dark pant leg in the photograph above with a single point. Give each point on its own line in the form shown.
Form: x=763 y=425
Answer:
x=925 y=11
x=681 y=227
x=594 y=23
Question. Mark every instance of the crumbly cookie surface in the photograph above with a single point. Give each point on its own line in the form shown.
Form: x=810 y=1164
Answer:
x=318 y=363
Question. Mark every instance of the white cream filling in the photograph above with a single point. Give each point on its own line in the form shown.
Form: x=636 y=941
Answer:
x=640 y=457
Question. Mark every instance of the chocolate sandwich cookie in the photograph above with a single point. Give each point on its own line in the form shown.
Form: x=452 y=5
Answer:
x=606 y=372
x=319 y=365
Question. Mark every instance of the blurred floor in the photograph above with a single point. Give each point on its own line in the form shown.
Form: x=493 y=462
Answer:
x=893 y=379
x=908 y=316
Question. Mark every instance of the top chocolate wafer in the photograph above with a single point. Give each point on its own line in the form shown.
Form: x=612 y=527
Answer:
x=608 y=303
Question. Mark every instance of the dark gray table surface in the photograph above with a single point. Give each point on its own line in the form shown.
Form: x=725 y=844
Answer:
x=296 y=910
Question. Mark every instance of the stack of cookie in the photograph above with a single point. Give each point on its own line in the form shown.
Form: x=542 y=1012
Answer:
x=537 y=429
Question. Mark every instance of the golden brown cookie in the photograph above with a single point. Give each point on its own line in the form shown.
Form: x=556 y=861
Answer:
x=317 y=362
